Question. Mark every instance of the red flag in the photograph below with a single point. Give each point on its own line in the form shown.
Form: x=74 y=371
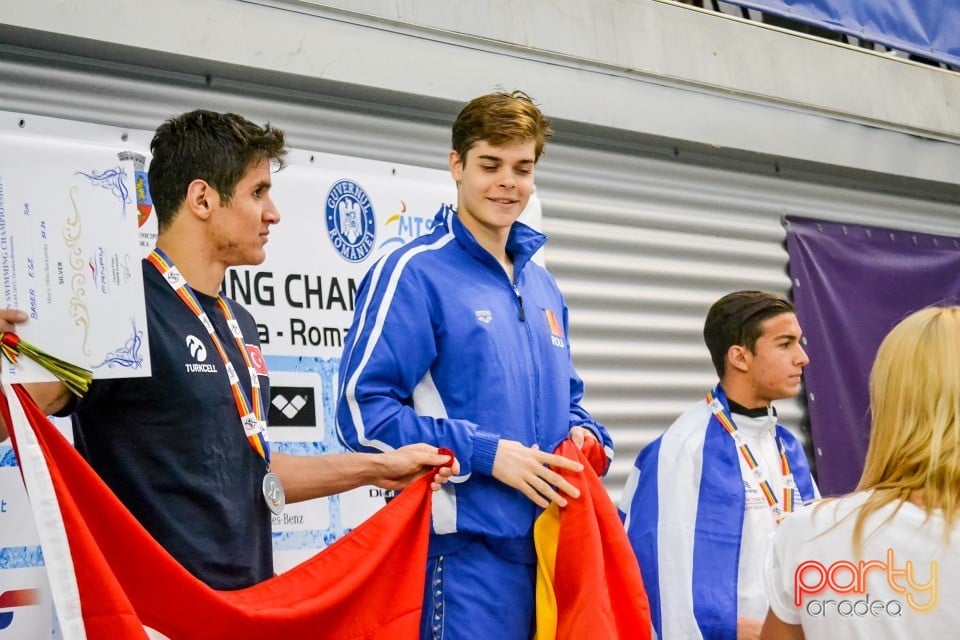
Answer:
x=367 y=585
x=588 y=580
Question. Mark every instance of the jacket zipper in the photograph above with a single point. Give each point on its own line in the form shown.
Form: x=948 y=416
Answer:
x=516 y=292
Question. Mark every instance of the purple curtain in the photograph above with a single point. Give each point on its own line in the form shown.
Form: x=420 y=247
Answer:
x=851 y=285
x=926 y=28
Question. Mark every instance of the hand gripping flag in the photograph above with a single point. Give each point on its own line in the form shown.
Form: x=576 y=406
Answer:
x=588 y=581
x=110 y=578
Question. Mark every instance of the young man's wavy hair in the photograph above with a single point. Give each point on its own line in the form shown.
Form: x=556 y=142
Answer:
x=915 y=402
x=217 y=148
x=735 y=319
x=500 y=119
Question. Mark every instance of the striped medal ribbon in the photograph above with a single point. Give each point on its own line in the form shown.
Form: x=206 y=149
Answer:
x=779 y=508
x=249 y=409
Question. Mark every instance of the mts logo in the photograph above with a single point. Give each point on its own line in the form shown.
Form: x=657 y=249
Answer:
x=405 y=227
x=13 y=599
x=411 y=226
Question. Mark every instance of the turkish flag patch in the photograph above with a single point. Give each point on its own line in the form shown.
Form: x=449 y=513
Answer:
x=256 y=359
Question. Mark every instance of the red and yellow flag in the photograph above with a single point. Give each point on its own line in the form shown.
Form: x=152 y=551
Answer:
x=588 y=580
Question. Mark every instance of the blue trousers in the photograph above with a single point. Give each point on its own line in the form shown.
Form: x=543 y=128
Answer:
x=476 y=592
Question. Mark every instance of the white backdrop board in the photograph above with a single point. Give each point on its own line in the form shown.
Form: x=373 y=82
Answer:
x=338 y=216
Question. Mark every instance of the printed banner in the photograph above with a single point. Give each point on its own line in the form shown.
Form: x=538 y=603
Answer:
x=851 y=285
x=338 y=216
x=921 y=27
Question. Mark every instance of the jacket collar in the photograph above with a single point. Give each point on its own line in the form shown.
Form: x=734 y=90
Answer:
x=522 y=243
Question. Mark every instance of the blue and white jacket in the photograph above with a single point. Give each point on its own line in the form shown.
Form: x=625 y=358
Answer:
x=445 y=349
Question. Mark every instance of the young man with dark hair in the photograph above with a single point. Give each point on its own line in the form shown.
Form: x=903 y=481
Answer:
x=186 y=449
x=459 y=340
x=705 y=497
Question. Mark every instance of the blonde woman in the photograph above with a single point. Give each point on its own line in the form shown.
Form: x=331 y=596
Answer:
x=884 y=562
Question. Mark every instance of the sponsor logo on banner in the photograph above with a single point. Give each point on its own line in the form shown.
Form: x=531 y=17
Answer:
x=292 y=407
x=402 y=227
x=351 y=224
x=13 y=599
x=849 y=578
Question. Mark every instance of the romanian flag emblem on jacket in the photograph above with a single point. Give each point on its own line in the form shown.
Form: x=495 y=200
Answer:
x=556 y=329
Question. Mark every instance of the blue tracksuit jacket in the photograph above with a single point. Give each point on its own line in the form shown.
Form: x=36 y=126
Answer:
x=445 y=350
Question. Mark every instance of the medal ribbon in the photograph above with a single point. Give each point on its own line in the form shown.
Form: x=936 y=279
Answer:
x=251 y=413
x=778 y=508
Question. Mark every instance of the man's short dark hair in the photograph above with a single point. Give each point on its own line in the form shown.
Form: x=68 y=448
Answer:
x=735 y=319
x=217 y=148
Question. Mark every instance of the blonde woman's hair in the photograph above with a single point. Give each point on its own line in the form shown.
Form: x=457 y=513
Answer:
x=915 y=401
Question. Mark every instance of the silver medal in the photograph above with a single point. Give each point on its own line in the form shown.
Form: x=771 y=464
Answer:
x=273 y=493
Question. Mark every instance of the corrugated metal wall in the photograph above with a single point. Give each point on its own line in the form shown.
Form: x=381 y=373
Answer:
x=642 y=242
x=643 y=246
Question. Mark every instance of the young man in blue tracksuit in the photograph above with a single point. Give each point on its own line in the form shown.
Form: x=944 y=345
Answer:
x=460 y=340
